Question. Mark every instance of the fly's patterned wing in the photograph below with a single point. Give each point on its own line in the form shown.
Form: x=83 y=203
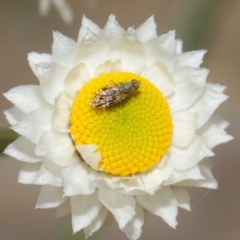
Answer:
x=107 y=96
x=113 y=93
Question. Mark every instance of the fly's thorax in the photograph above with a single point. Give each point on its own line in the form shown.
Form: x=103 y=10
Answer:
x=127 y=87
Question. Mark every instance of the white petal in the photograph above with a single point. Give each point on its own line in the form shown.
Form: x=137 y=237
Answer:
x=133 y=229
x=160 y=50
x=59 y=147
x=64 y=10
x=23 y=150
x=112 y=27
x=28 y=173
x=75 y=79
x=147 y=30
x=64 y=209
x=213 y=134
x=40 y=150
x=152 y=179
x=196 y=75
x=89 y=154
x=120 y=205
x=85 y=209
x=210 y=99
x=191 y=59
x=179 y=45
x=40 y=64
x=182 y=197
x=184 y=127
x=108 y=66
x=160 y=77
x=131 y=189
x=52 y=85
x=63 y=49
x=166 y=167
x=184 y=158
x=87 y=24
x=184 y=95
x=92 y=51
x=13 y=115
x=162 y=204
x=96 y=223
x=34 y=124
x=130 y=52
x=208 y=180
x=102 y=183
x=52 y=167
x=167 y=43
x=61 y=113
x=193 y=173
x=130 y=186
x=79 y=175
x=27 y=98
x=50 y=197
x=45 y=177
x=71 y=190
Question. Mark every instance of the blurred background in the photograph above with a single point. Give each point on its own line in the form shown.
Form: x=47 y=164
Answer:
x=201 y=24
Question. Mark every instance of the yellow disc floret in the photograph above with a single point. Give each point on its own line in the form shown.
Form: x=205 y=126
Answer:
x=132 y=135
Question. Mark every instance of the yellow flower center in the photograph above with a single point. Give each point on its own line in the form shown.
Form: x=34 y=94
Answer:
x=132 y=135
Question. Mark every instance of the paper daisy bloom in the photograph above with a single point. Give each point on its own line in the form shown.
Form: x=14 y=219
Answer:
x=126 y=159
x=62 y=7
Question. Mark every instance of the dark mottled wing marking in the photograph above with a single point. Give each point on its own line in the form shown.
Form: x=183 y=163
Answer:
x=113 y=93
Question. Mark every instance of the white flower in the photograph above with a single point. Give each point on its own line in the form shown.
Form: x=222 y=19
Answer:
x=138 y=154
x=62 y=7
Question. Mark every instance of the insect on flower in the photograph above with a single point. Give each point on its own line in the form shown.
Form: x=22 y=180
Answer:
x=113 y=93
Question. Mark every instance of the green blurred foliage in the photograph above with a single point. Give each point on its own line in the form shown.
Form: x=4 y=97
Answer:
x=65 y=232
x=192 y=29
x=7 y=136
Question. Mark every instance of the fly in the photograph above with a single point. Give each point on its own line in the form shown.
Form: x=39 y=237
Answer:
x=113 y=93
